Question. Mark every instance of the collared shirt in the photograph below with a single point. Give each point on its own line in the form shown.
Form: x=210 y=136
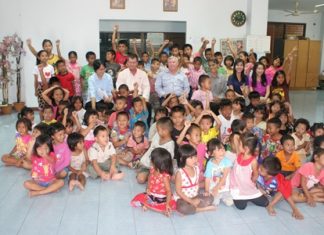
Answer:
x=219 y=85
x=140 y=77
x=194 y=76
x=167 y=83
x=97 y=153
x=100 y=88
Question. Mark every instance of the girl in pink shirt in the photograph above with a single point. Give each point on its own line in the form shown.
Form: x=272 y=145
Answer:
x=308 y=181
x=244 y=175
x=74 y=68
x=43 y=168
x=18 y=153
x=192 y=134
x=204 y=94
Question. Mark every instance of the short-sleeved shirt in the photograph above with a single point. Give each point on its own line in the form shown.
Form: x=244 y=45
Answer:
x=138 y=117
x=120 y=58
x=233 y=81
x=202 y=96
x=259 y=87
x=22 y=144
x=225 y=129
x=86 y=72
x=142 y=145
x=212 y=133
x=282 y=90
x=270 y=146
x=52 y=61
x=63 y=156
x=292 y=164
x=77 y=161
x=118 y=134
x=276 y=184
x=308 y=170
x=66 y=81
x=43 y=170
x=100 y=88
x=97 y=153
x=48 y=72
x=155 y=185
x=219 y=85
x=215 y=172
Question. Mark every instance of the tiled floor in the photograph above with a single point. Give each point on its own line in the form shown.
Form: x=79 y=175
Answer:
x=103 y=208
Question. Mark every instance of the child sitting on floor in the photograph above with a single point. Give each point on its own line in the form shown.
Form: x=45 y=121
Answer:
x=302 y=138
x=162 y=139
x=189 y=200
x=217 y=173
x=273 y=184
x=102 y=156
x=43 y=168
x=158 y=195
x=78 y=165
x=308 y=182
x=18 y=153
x=289 y=158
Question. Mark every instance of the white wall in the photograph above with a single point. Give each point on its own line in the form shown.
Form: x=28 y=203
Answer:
x=76 y=23
x=314 y=25
x=313 y=22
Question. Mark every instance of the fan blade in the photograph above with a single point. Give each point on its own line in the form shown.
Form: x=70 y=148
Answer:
x=319 y=5
x=289 y=15
x=296 y=5
x=289 y=11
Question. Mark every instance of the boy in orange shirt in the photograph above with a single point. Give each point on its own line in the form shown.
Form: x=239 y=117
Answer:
x=289 y=158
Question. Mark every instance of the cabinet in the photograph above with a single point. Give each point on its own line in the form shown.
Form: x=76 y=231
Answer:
x=306 y=66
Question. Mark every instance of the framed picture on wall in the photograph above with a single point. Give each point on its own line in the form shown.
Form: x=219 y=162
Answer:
x=170 y=5
x=117 y=4
x=238 y=44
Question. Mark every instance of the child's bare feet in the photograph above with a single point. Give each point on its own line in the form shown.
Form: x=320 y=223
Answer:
x=79 y=185
x=144 y=208
x=271 y=211
x=72 y=185
x=33 y=193
x=118 y=176
x=297 y=215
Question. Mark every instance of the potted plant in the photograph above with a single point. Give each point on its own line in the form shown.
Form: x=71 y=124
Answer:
x=11 y=47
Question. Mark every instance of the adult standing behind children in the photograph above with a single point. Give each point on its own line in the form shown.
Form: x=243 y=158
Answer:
x=172 y=81
x=100 y=87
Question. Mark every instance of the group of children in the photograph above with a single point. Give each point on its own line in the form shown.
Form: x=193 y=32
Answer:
x=232 y=139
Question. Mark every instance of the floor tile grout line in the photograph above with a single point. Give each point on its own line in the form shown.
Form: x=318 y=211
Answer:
x=4 y=196
x=99 y=197
x=63 y=212
x=23 y=222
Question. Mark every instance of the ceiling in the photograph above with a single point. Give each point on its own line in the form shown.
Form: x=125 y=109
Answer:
x=304 y=5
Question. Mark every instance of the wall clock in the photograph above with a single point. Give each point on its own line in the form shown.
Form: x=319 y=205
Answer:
x=238 y=18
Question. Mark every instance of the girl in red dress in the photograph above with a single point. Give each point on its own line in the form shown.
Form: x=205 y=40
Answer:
x=158 y=195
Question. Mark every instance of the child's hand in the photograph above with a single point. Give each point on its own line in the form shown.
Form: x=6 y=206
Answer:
x=311 y=202
x=206 y=41
x=105 y=176
x=75 y=115
x=65 y=111
x=215 y=191
x=168 y=210
x=213 y=42
x=166 y=42
x=195 y=202
x=58 y=43
x=29 y=41
x=297 y=215
x=202 y=39
x=113 y=170
x=116 y=27
x=40 y=67
x=187 y=124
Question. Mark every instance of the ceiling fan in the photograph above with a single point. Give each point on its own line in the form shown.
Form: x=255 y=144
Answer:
x=297 y=12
